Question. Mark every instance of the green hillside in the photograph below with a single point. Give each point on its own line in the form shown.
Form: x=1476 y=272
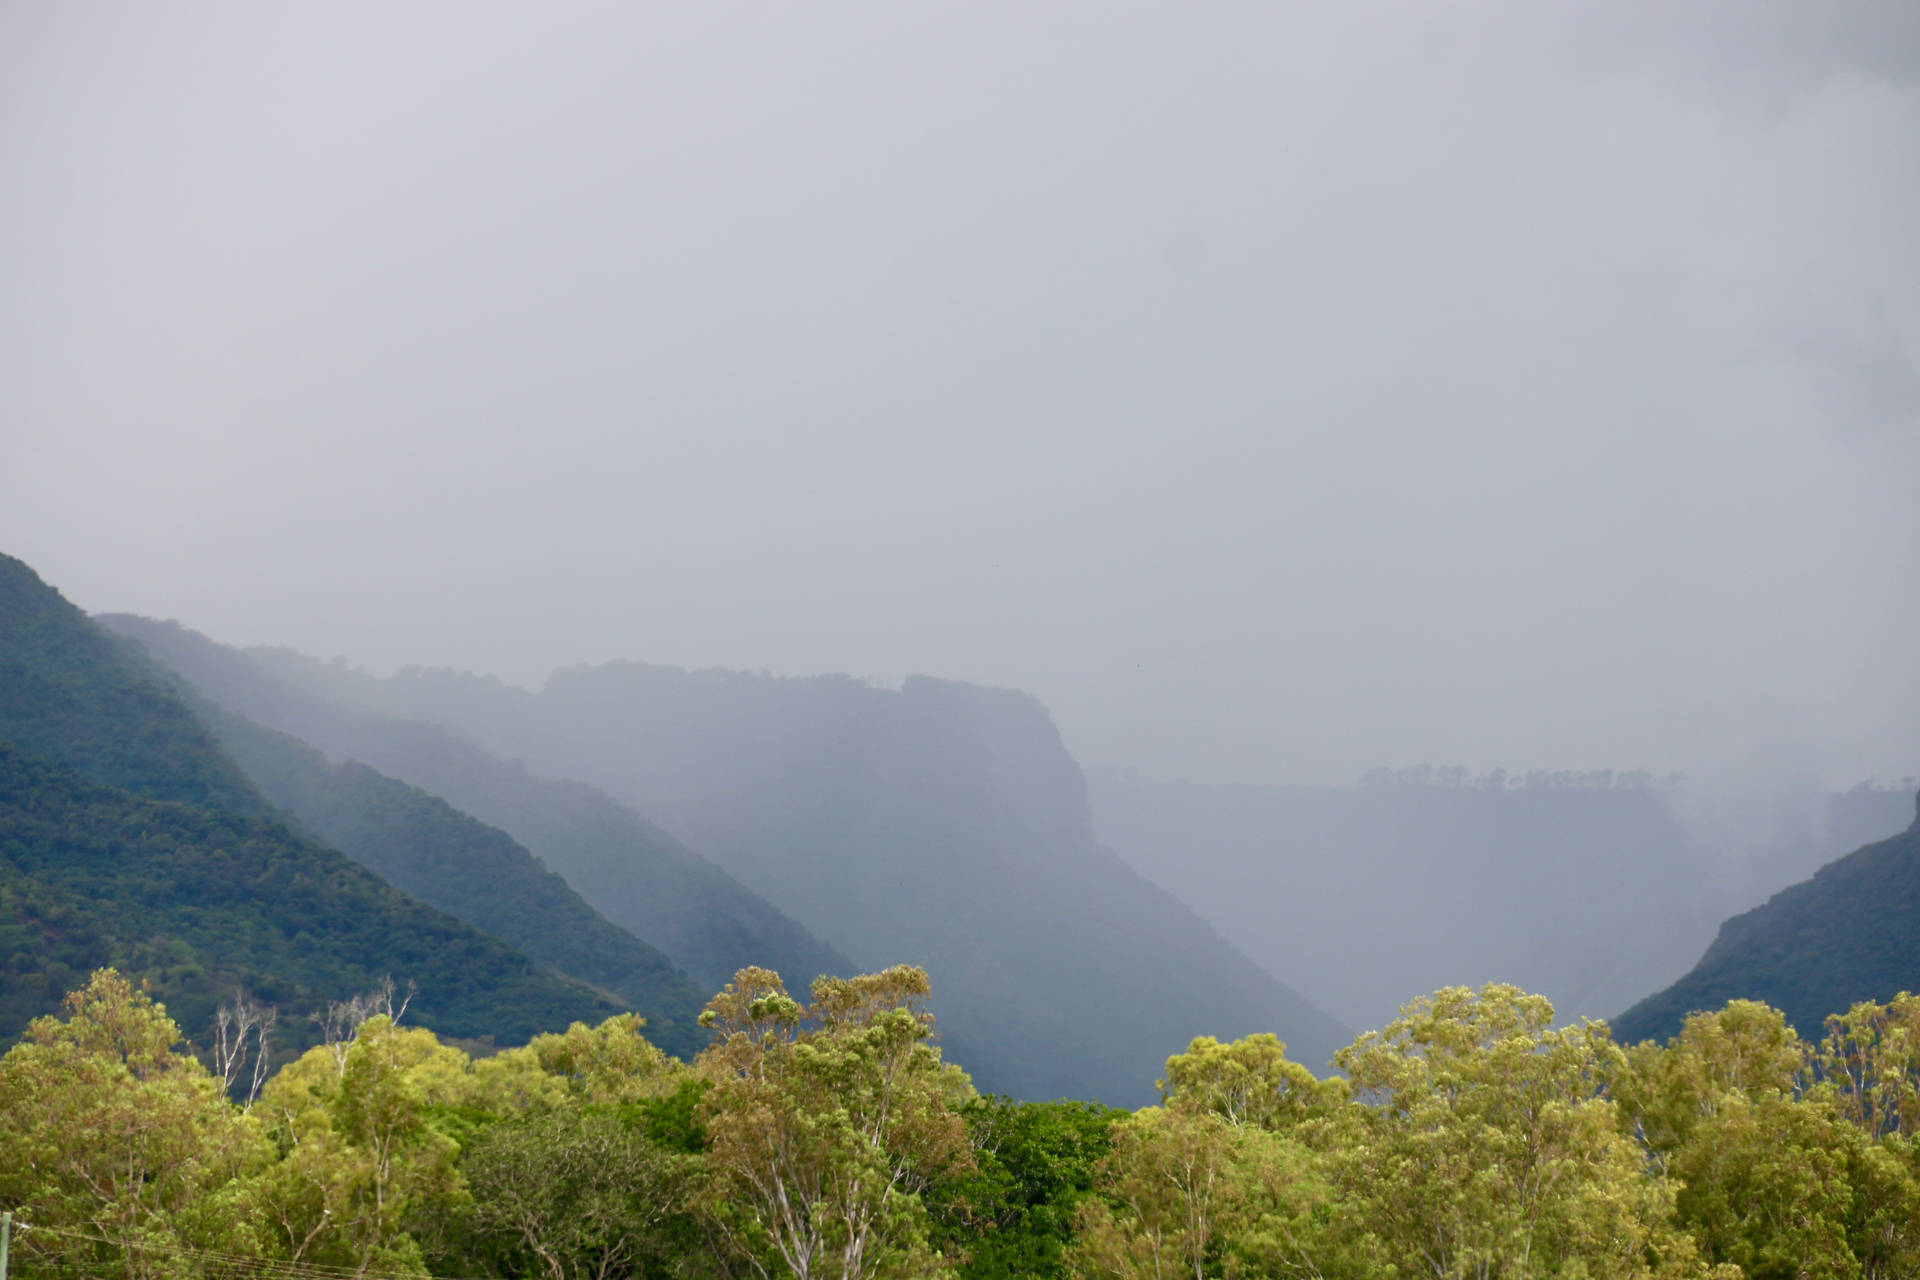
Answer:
x=480 y=874
x=1850 y=933
x=635 y=874
x=71 y=692
x=128 y=836
x=200 y=901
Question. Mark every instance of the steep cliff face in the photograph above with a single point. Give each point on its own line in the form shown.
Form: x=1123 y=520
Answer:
x=941 y=823
x=1850 y=933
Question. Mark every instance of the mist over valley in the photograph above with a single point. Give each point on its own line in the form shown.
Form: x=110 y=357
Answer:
x=1046 y=641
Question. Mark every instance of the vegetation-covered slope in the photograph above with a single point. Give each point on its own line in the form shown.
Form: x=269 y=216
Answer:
x=941 y=823
x=71 y=692
x=129 y=836
x=1850 y=933
x=448 y=860
x=201 y=901
x=635 y=874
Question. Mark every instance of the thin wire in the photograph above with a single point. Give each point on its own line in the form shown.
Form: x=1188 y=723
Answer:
x=281 y=1267
x=238 y=1265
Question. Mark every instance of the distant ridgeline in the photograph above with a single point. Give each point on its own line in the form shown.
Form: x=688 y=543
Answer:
x=1850 y=933
x=129 y=837
x=940 y=824
x=213 y=820
x=428 y=849
x=635 y=874
x=1454 y=777
x=1590 y=887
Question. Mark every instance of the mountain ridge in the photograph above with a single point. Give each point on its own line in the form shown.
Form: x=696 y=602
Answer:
x=72 y=694
x=455 y=863
x=129 y=836
x=1850 y=932
x=631 y=870
x=1589 y=888
x=940 y=822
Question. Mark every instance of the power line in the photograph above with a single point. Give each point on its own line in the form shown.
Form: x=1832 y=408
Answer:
x=220 y=1262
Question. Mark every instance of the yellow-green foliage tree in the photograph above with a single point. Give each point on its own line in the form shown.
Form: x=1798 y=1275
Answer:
x=1485 y=1145
x=1791 y=1161
x=825 y=1123
x=360 y=1163
x=1869 y=1061
x=1761 y=1170
x=574 y=1193
x=1471 y=1138
x=1174 y=1189
x=563 y=1176
x=1871 y=1058
x=122 y=1153
x=1248 y=1083
x=612 y=1063
x=1215 y=1179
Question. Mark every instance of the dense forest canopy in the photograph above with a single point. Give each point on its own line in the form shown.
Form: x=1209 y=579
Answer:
x=825 y=1134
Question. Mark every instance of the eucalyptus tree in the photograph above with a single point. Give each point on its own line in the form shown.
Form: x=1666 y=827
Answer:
x=360 y=1161
x=1484 y=1143
x=825 y=1123
x=1217 y=1180
x=124 y=1155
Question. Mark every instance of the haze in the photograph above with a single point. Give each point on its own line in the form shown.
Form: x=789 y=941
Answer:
x=1276 y=391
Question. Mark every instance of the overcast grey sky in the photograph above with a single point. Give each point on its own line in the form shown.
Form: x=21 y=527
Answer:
x=1275 y=389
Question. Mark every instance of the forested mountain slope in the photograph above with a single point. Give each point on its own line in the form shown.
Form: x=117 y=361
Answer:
x=71 y=693
x=635 y=874
x=1850 y=933
x=201 y=902
x=1588 y=888
x=431 y=851
x=941 y=824
x=129 y=836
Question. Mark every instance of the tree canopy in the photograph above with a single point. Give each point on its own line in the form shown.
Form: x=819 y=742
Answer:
x=1471 y=1137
